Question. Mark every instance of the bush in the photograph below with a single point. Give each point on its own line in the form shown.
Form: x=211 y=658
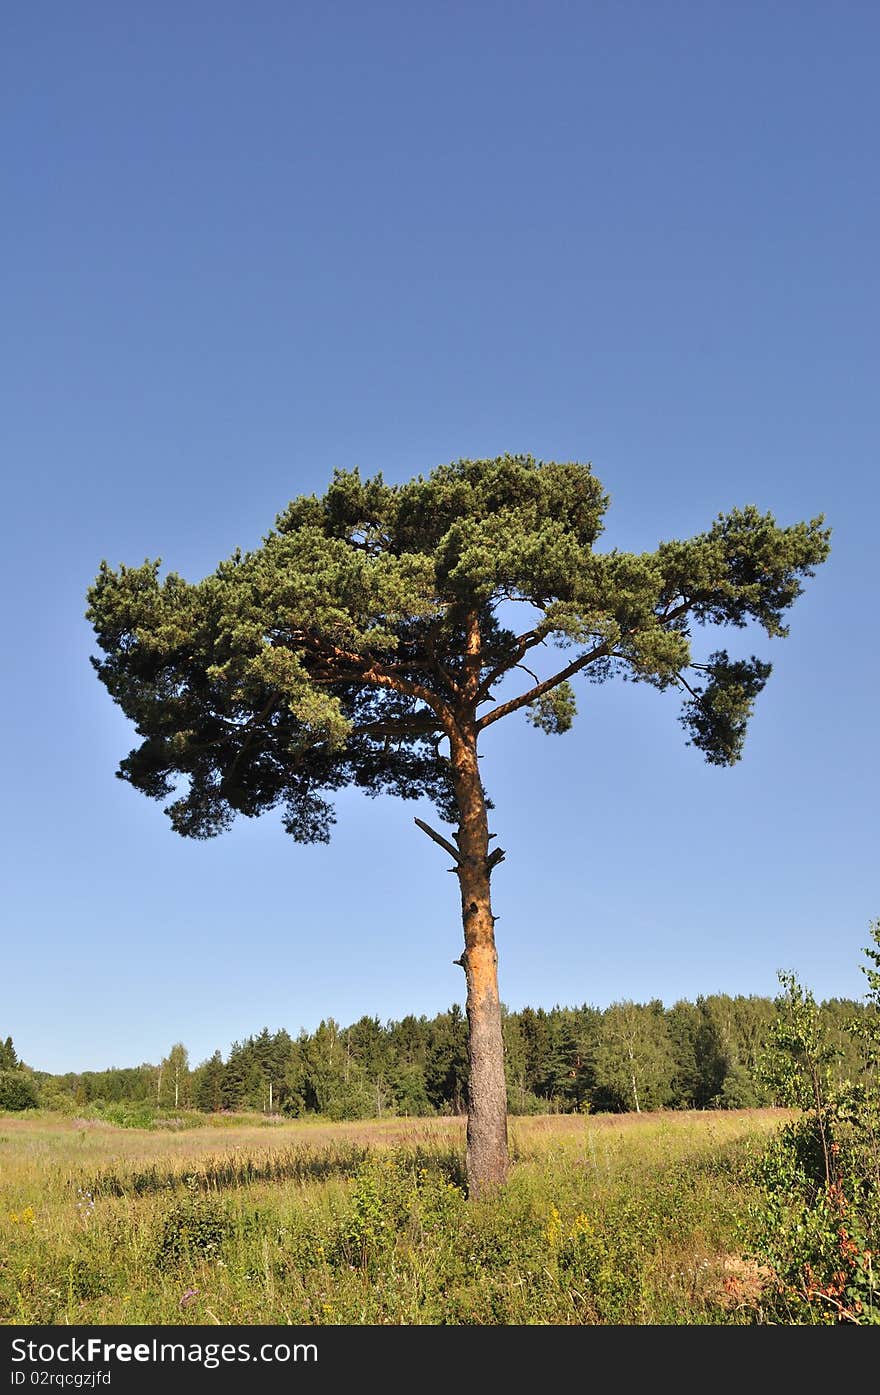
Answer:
x=17 y=1090
x=196 y=1226
x=818 y=1224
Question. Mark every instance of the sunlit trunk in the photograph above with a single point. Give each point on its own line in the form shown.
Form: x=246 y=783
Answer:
x=487 y=1156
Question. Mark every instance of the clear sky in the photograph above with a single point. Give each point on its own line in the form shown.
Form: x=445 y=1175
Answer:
x=245 y=243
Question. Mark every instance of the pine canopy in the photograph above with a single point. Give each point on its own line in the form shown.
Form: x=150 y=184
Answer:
x=341 y=651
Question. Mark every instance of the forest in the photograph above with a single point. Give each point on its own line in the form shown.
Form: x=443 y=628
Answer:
x=627 y=1057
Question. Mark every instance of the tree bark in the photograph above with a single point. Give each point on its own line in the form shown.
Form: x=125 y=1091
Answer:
x=487 y=1156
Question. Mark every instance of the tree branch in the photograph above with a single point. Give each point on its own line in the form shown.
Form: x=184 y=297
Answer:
x=539 y=689
x=371 y=670
x=529 y=672
x=524 y=642
x=439 y=839
x=399 y=726
x=698 y=697
x=441 y=670
x=249 y=728
x=601 y=651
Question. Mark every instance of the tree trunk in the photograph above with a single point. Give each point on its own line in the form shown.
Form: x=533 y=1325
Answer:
x=487 y=1112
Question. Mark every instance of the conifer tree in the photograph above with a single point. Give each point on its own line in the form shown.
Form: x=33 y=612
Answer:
x=208 y=1084
x=365 y=642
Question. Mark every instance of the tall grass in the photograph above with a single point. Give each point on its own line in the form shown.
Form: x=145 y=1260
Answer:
x=604 y=1220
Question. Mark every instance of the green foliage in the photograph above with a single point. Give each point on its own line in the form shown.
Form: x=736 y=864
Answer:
x=392 y=1196
x=446 y=1062
x=207 y=1084
x=799 y=1059
x=554 y=712
x=601 y=1261
x=135 y=1115
x=196 y=1226
x=335 y=654
x=55 y=1099
x=114 y=1086
x=718 y=714
x=737 y=1091
x=174 y=1078
x=633 y=1059
x=818 y=1227
x=18 y=1086
x=18 y=1090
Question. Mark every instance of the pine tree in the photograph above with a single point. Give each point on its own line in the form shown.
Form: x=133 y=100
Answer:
x=208 y=1084
x=364 y=644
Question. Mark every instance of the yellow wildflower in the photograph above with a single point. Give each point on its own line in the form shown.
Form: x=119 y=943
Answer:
x=554 y=1228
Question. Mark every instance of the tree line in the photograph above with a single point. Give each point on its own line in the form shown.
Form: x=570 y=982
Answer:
x=627 y=1057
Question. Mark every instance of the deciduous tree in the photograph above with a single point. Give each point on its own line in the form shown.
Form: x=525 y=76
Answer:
x=634 y=1063
x=175 y=1072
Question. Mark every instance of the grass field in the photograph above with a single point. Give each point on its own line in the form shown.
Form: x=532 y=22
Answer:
x=606 y=1220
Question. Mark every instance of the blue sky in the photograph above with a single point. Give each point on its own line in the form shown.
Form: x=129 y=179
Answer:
x=244 y=244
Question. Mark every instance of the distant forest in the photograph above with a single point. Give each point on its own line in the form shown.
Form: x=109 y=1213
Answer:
x=629 y=1056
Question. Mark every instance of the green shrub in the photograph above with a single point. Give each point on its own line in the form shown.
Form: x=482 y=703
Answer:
x=394 y=1199
x=125 y=1116
x=818 y=1223
x=195 y=1226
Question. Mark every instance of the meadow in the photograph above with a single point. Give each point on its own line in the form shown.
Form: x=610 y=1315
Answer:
x=607 y=1219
